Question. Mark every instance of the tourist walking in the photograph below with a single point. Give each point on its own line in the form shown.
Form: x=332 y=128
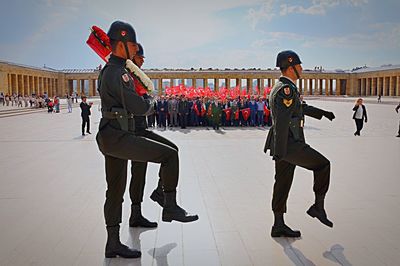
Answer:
x=360 y=114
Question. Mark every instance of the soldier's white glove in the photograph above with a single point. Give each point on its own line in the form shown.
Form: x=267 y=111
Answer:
x=140 y=75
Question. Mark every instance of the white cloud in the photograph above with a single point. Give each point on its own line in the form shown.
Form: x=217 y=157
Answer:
x=266 y=11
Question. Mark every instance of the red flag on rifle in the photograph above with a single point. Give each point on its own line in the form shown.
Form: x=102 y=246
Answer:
x=99 y=42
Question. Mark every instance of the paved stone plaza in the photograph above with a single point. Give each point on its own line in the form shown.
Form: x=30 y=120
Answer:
x=52 y=189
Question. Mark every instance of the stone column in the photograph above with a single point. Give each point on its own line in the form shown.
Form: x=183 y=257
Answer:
x=321 y=86
x=328 y=87
x=249 y=84
x=373 y=86
x=171 y=82
x=182 y=82
x=19 y=84
x=91 y=87
x=205 y=83
x=27 y=86
x=216 y=84
x=228 y=83
x=398 y=86
x=392 y=86
x=78 y=87
x=305 y=87
x=23 y=85
x=8 y=84
x=338 y=87
x=262 y=89
x=194 y=85
x=258 y=85
x=368 y=87
x=239 y=83
x=378 y=86
x=160 y=88
x=384 y=85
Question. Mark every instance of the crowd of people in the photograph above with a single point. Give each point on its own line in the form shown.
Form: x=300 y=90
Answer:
x=180 y=111
x=18 y=100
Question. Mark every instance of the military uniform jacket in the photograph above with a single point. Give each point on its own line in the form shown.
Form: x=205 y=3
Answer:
x=117 y=90
x=287 y=118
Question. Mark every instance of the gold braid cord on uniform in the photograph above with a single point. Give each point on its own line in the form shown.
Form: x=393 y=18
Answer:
x=140 y=75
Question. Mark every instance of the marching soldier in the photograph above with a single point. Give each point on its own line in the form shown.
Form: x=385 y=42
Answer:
x=288 y=148
x=118 y=141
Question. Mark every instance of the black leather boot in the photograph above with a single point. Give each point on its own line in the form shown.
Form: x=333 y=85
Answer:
x=172 y=211
x=284 y=231
x=320 y=214
x=114 y=247
x=158 y=196
x=137 y=219
x=280 y=229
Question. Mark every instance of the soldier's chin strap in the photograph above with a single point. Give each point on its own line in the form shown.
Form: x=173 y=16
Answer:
x=295 y=71
x=126 y=50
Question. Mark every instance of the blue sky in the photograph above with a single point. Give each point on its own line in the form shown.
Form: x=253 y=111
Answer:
x=335 y=34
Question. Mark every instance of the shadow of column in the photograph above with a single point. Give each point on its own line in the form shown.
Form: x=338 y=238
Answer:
x=161 y=254
x=294 y=254
x=335 y=254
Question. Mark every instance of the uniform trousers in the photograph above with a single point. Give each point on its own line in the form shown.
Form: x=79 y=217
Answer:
x=299 y=154
x=120 y=146
x=138 y=169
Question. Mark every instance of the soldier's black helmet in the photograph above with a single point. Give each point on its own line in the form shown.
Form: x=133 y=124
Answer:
x=140 y=51
x=121 y=31
x=286 y=59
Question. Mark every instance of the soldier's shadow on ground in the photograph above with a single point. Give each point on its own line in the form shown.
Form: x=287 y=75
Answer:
x=335 y=254
x=294 y=254
x=161 y=254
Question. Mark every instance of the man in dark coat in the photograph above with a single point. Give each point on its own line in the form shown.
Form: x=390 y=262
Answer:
x=118 y=142
x=288 y=148
x=85 y=113
x=183 y=110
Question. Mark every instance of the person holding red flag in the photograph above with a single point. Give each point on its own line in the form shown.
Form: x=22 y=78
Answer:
x=118 y=142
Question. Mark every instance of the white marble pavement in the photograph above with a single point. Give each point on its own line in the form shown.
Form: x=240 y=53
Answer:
x=52 y=188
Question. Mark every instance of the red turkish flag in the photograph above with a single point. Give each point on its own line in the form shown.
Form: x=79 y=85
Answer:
x=246 y=113
x=228 y=112
x=266 y=110
x=196 y=110
x=203 y=109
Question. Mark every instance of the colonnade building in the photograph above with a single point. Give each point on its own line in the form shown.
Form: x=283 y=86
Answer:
x=26 y=80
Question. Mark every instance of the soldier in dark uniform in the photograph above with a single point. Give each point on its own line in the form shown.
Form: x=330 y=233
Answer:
x=288 y=148
x=118 y=140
